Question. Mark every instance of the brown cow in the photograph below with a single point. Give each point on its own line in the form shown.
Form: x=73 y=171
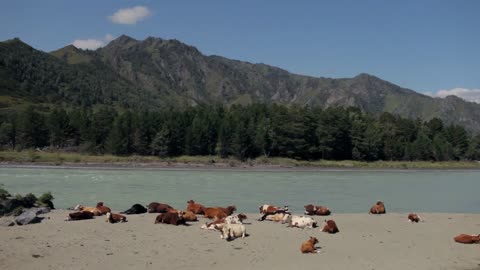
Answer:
x=330 y=226
x=219 y=212
x=196 y=208
x=103 y=209
x=467 y=238
x=316 y=210
x=309 y=246
x=170 y=218
x=80 y=215
x=189 y=215
x=412 y=217
x=114 y=218
x=95 y=211
x=155 y=207
x=378 y=208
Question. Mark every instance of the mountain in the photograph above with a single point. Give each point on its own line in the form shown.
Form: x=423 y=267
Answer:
x=155 y=73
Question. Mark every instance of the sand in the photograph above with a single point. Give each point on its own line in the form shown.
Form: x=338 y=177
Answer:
x=364 y=242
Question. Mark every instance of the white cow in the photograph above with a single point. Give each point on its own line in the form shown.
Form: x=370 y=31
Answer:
x=301 y=222
x=231 y=231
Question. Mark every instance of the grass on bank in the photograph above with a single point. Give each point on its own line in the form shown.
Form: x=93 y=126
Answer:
x=59 y=158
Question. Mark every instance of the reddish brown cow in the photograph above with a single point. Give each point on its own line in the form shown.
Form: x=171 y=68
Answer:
x=155 y=207
x=80 y=215
x=114 y=218
x=309 y=246
x=378 y=208
x=196 y=208
x=330 y=226
x=95 y=211
x=316 y=210
x=412 y=217
x=170 y=218
x=467 y=238
x=103 y=209
x=219 y=212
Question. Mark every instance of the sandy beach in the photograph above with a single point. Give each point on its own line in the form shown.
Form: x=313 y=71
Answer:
x=364 y=242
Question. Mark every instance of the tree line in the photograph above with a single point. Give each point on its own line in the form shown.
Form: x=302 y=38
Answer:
x=245 y=132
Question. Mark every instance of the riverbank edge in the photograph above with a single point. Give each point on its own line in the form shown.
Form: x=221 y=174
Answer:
x=40 y=159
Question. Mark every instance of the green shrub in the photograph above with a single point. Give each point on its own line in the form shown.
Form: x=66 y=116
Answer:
x=46 y=197
x=3 y=193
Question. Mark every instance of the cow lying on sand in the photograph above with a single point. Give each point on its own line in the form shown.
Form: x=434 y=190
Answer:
x=103 y=209
x=135 y=209
x=378 y=208
x=318 y=210
x=467 y=238
x=267 y=210
x=412 y=217
x=114 y=218
x=309 y=246
x=155 y=207
x=330 y=226
x=232 y=231
x=196 y=208
x=278 y=217
x=95 y=211
x=79 y=215
x=188 y=215
x=301 y=222
x=219 y=223
x=219 y=212
x=170 y=218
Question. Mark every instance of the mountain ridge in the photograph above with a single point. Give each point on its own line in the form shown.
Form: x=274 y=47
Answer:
x=157 y=72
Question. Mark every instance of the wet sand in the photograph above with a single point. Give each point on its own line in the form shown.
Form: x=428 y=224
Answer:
x=364 y=242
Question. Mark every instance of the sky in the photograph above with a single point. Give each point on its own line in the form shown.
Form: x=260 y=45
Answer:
x=430 y=46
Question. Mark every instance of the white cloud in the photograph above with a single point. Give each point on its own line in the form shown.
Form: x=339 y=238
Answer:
x=88 y=44
x=108 y=37
x=130 y=15
x=92 y=44
x=466 y=94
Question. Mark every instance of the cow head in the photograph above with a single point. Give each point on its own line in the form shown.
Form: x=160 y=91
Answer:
x=191 y=202
x=231 y=209
x=242 y=217
x=313 y=240
x=287 y=218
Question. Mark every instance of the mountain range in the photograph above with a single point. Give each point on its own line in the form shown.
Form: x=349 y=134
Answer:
x=153 y=73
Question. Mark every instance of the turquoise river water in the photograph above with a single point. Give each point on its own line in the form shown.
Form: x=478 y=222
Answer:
x=342 y=191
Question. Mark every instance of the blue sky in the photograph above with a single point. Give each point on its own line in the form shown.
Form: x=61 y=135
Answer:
x=426 y=46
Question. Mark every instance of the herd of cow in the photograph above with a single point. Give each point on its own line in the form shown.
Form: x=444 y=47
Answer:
x=231 y=225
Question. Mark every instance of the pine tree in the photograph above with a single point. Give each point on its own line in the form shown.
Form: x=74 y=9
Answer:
x=31 y=130
x=7 y=134
x=59 y=127
x=160 y=143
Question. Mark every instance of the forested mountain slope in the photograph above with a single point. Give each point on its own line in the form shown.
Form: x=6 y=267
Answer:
x=155 y=73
